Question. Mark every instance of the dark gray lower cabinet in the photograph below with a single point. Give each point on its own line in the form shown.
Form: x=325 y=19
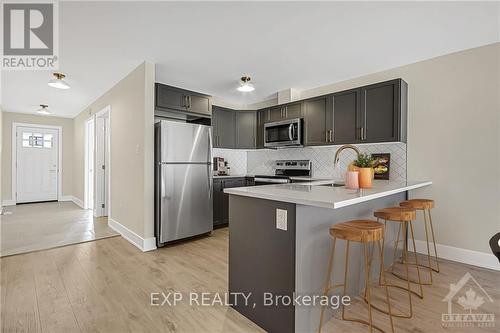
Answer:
x=221 y=200
x=246 y=129
x=318 y=121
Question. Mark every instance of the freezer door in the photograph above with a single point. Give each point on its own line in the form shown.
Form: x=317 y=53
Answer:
x=185 y=201
x=184 y=142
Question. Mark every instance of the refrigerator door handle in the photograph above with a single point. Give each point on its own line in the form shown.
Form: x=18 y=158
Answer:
x=210 y=182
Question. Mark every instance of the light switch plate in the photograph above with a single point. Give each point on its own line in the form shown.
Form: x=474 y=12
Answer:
x=281 y=219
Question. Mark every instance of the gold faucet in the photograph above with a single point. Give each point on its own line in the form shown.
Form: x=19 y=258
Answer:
x=337 y=153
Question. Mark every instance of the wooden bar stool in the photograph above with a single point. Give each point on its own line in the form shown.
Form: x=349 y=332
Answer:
x=364 y=232
x=404 y=216
x=425 y=205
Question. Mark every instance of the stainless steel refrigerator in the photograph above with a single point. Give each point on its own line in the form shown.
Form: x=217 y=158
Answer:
x=183 y=180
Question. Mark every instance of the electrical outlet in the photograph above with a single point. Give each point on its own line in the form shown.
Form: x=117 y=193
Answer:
x=281 y=219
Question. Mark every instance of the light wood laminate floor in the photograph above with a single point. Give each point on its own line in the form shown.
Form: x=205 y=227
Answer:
x=39 y=226
x=105 y=286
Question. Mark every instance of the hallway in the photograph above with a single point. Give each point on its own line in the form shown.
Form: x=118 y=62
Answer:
x=40 y=226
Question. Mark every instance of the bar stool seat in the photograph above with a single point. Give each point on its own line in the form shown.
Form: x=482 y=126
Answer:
x=365 y=232
x=358 y=231
x=420 y=204
x=397 y=214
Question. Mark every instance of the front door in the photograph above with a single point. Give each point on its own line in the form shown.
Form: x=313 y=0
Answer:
x=37 y=164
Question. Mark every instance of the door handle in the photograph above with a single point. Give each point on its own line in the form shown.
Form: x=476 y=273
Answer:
x=331 y=135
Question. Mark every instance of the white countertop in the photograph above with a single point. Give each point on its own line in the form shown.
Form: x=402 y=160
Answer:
x=311 y=194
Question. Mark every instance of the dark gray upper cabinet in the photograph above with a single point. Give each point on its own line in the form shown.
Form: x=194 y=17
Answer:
x=293 y=110
x=200 y=104
x=275 y=114
x=246 y=129
x=318 y=121
x=261 y=119
x=168 y=97
x=282 y=112
x=223 y=125
x=177 y=99
x=382 y=116
x=346 y=106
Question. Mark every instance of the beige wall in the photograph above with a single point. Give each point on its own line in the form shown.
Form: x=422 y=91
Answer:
x=67 y=147
x=454 y=126
x=131 y=165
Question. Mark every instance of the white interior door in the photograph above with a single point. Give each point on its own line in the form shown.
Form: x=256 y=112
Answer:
x=101 y=165
x=37 y=164
x=89 y=165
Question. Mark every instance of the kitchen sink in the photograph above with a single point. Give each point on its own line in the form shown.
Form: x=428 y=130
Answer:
x=333 y=185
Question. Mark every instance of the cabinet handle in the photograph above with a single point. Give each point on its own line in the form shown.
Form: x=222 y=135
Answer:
x=189 y=101
x=286 y=111
x=331 y=135
x=326 y=136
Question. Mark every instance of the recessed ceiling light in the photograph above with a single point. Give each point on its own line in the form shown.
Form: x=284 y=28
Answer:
x=245 y=85
x=44 y=109
x=59 y=82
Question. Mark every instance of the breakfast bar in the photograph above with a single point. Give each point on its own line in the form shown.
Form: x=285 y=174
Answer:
x=279 y=245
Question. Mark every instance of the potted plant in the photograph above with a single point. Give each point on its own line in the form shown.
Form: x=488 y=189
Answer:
x=364 y=163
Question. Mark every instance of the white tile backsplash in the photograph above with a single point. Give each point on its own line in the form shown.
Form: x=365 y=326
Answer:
x=236 y=158
x=262 y=161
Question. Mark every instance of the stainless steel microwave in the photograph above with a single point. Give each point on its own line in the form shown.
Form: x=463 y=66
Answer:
x=283 y=133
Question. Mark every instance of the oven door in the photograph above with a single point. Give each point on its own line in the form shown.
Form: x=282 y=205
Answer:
x=283 y=133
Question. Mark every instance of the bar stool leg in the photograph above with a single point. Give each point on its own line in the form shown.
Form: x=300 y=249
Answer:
x=346 y=267
x=328 y=280
x=367 y=287
x=428 y=247
x=388 y=299
x=434 y=241
x=416 y=261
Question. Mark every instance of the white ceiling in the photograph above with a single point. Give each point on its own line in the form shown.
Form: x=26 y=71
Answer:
x=207 y=46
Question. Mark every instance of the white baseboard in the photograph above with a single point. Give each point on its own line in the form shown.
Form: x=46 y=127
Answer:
x=475 y=258
x=74 y=199
x=8 y=203
x=143 y=244
x=77 y=201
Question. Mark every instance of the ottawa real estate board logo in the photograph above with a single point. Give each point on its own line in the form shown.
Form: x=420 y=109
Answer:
x=30 y=35
x=469 y=294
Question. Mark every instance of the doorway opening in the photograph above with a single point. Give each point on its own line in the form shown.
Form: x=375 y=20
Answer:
x=97 y=163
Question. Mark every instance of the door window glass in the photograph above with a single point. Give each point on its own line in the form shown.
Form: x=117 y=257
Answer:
x=48 y=141
x=37 y=140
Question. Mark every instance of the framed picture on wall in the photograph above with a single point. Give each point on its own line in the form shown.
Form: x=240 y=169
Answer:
x=382 y=165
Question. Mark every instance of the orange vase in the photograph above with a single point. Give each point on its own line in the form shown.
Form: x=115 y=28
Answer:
x=365 y=177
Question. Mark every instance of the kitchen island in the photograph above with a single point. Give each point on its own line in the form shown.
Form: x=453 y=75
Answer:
x=279 y=245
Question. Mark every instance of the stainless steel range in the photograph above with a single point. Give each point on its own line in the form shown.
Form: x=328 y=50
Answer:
x=285 y=170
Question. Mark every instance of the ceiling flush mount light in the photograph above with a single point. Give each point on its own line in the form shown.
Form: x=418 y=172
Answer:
x=58 y=82
x=245 y=85
x=44 y=109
